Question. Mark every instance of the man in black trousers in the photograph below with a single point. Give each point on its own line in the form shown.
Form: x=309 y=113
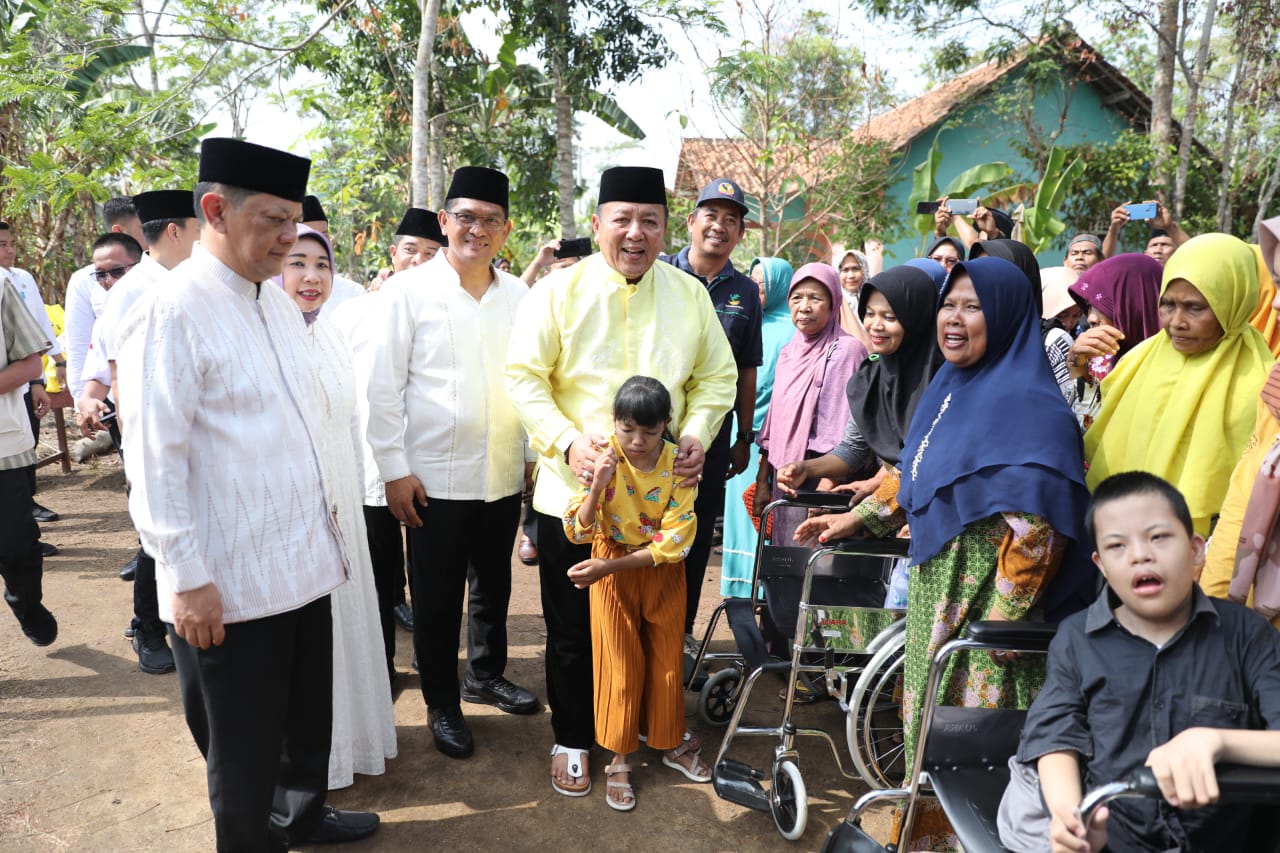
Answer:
x=218 y=395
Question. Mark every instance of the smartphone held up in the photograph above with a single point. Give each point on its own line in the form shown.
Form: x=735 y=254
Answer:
x=957 y=206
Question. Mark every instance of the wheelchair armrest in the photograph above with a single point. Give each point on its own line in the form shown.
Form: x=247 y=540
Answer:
x=870 y=547
x=1028 y=636
x=828 y=500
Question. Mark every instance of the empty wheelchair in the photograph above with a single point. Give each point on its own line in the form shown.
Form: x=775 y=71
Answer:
x=829 y=603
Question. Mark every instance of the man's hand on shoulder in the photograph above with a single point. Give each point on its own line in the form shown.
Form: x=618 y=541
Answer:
x=197 y=616
x=689 y=460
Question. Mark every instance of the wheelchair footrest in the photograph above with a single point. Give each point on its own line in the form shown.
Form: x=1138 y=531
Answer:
x=740 y=783
x=848 y=838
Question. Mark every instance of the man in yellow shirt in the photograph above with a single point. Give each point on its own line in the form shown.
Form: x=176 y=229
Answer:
x=579 y=334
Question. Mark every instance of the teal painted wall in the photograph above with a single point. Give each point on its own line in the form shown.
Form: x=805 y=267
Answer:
x=976 y=135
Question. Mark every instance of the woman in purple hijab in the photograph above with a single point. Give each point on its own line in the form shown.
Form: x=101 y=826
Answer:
x=1123 y=297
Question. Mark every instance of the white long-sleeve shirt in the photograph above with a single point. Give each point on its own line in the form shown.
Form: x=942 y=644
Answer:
x=438 y=405
x=27 y=288
x=85 y=298
x=227 y=488
x=131 y=287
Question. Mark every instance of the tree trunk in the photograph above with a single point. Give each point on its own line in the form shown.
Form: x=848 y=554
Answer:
x=1189 y=119
x=566 y=185
x=1162 y=89
x=1266 y=193
x=421 y=141
x=1228 y=144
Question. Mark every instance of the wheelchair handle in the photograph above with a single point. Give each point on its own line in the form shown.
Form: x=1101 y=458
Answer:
x=1236 y=784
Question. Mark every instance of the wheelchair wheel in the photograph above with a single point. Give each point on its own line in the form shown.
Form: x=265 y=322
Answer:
x=788 y=800
x=873 y=725
x=719 y=696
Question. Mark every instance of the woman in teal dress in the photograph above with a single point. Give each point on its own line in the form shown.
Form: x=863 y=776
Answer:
x=774 y=277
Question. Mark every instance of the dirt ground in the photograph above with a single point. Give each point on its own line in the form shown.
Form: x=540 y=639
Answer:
x=95 y=755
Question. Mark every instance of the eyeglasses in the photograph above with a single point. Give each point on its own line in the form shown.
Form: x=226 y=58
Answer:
x=946 y=260
x=114 y=272
x=470 y=220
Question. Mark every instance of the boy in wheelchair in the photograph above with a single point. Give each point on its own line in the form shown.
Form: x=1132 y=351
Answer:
x=1154 y=673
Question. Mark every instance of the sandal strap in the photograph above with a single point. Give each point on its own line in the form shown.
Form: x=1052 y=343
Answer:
x=683 y=749
x=617 y=768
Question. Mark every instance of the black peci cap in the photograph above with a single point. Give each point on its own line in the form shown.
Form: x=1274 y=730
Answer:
x=313 y=210
x=256 y=168
x=420 y=222
x=636 y=184
x=481 y=184
x=164 y=204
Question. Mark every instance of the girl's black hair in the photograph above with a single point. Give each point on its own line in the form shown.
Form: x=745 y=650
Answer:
x=644 y=401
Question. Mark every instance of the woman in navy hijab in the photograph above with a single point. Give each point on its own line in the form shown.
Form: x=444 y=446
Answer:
x=993 y=490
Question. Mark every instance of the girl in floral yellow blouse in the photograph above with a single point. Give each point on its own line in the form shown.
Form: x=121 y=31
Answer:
x=640 y=523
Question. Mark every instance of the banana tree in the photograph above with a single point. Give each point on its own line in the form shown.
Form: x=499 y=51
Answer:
x=1037 y=224
x=924 y=184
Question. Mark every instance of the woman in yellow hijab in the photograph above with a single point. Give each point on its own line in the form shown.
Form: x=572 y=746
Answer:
x=1181 y=404
x=1241 y=562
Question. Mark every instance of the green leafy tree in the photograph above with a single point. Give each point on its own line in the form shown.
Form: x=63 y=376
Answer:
x=589 y=43
x=789 y=100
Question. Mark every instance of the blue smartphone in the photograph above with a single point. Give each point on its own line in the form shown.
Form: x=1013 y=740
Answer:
x=1143 y=211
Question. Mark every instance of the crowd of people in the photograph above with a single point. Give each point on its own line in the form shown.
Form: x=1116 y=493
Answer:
x=293 y=441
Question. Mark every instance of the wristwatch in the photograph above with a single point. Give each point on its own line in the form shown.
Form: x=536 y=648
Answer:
x=747 y=435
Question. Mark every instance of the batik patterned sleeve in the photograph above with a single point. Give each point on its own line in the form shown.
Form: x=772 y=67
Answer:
x=1027 y=559
x=576 y=533
x=880 y=512
x=671 y=542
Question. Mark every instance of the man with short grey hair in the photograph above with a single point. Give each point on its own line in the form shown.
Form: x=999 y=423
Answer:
x=220 y=391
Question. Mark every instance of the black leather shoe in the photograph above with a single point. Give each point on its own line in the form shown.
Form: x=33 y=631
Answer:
x=48 y=549
x=130 y=568
x=43 y=514
x=451 y=732
x=404 y=616
x=498 y=691
x=339 y=827
x=39 y=625
x=154 y=656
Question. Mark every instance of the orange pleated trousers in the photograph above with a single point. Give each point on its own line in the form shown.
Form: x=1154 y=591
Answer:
x=637 y=646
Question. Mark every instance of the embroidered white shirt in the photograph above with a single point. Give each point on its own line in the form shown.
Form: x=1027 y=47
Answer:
x=221 y=402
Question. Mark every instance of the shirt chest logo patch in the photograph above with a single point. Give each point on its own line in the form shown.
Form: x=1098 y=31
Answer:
x=735 y=300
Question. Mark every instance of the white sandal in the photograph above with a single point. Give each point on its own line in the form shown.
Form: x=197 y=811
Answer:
x=697 y=771
x=578 y=768
x=628 y=792
x=691 y=739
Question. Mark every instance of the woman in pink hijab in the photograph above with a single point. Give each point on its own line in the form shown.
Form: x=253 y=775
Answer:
x=810 y=409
